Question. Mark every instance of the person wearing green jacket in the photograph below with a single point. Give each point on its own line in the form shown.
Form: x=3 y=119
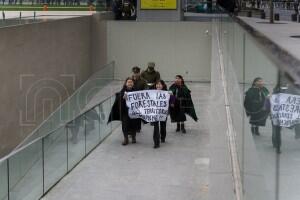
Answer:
x=254 y=104
x=150 y=75
x=183 y=104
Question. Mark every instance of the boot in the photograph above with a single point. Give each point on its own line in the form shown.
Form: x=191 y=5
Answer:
x=125 y=142
x=182 y=128
x=256 y=131
x=133 y=138
x=178 y=127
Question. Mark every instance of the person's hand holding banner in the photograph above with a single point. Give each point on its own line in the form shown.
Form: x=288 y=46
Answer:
x=149 y=105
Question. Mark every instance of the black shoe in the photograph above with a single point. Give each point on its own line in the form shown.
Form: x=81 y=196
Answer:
x=183 y=129
x=278 y=151
x=163 y=140
x=178 y=127
x=126 y=141
x=253 y=130
x=133 y=140
x=156 y=146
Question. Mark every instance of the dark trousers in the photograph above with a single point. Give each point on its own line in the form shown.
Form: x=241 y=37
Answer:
x=139 y=125
x=159 y=132
x=297 y=131
x=128 y=126
x=276 y=137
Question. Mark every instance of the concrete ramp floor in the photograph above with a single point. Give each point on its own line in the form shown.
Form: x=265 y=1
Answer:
x=178 y=170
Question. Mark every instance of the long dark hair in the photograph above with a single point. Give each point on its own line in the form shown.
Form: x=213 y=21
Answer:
x=128 y=78
x=255 y=80
x=163 y=84
x=182 y=80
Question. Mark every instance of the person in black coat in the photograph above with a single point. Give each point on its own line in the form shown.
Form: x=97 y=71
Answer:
x=183 y=104
x=254 y=103
x=119 y=112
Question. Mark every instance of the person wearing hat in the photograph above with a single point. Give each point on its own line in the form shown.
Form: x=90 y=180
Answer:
x=139 y=84
x=150 y=75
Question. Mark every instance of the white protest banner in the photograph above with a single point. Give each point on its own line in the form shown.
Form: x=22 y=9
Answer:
x=285 y=109
x=149 y=105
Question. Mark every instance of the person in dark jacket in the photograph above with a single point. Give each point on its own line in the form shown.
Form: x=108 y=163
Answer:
x=254 y=105
x=119 y=112
x=150 y=75
x=276 y=130
x=117 y=9
x=183 y=104
x=139 y=84
x=228 y=5
x=159 y=132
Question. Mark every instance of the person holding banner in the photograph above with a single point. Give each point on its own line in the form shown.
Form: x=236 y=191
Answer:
x=139 y=84
x=285 y=111
x=119 y=112
x=183 y=104
x=160 y=132
x=254 y=105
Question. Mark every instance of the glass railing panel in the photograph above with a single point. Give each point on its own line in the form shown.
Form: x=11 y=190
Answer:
x=76 y=103
x=236 y=88
x=114 y=124
x=55 y=157
x=76 y=141
x=3 y=181
x=92 y=128
x=105 y=128
x=26 y=173
x=243 y=61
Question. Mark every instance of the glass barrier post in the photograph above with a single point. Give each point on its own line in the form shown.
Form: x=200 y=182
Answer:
x=7 y=166
x=43 y=163
x=99 y=119
x=67 y=136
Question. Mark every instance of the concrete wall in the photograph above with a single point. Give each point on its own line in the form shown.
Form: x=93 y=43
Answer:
x=159 y=15
x=176 y=48
x=99 y=40
x=41 y=64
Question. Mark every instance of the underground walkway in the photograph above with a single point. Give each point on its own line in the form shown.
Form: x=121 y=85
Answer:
x=179 y=170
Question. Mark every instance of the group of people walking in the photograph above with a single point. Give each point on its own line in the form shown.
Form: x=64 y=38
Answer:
x=180 y=104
